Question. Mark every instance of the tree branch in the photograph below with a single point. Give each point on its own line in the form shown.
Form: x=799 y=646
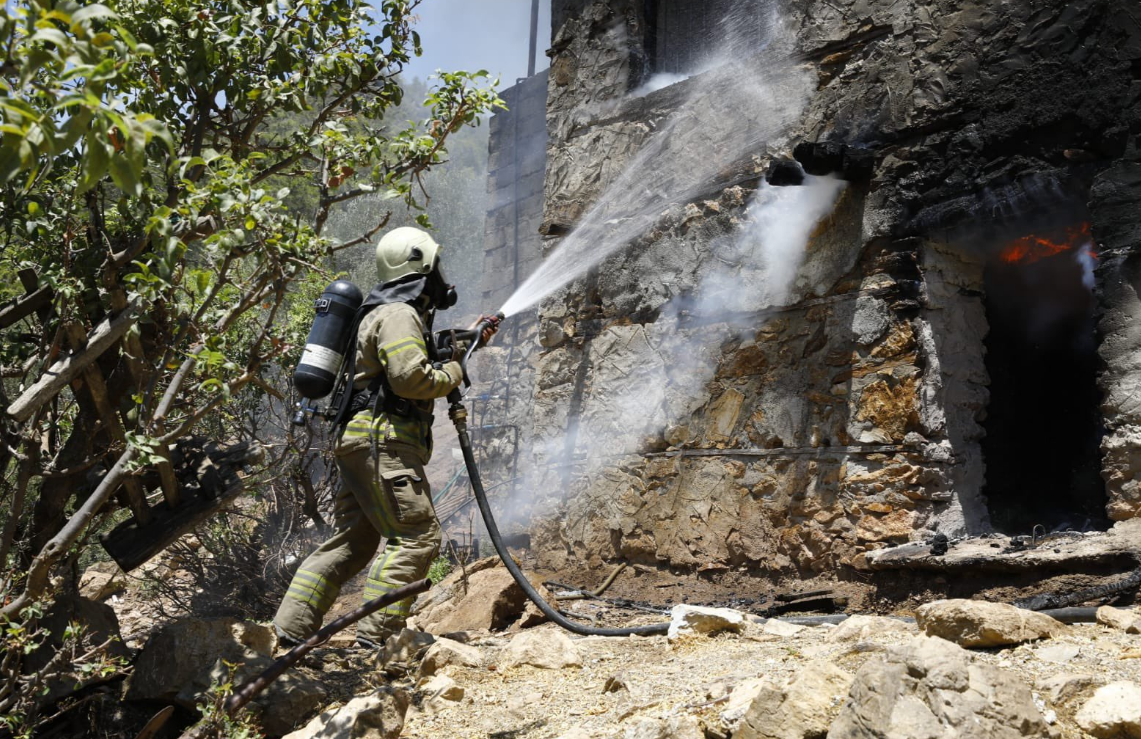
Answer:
x=58 y=545
x=64 y=371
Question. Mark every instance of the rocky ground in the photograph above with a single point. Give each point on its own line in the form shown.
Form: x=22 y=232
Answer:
x=478 y=661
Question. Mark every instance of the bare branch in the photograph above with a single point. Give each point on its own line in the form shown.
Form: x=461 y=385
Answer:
x=64 y=371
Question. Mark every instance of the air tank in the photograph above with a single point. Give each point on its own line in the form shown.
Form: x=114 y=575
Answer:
x=336 y=309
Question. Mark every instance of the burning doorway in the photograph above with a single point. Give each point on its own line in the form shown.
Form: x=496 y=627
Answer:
x=1043 y=425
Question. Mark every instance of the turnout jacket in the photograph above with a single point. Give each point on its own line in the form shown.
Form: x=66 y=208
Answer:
x=390 y=341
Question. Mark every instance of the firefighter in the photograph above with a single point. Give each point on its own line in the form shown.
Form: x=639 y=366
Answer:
x=382 y=452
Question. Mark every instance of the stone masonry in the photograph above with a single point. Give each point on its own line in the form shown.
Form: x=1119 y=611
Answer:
x=792 y=437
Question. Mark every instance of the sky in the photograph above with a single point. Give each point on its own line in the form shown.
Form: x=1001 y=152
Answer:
x=480 y=34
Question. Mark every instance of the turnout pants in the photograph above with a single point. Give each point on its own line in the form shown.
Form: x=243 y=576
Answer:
x=383 y=494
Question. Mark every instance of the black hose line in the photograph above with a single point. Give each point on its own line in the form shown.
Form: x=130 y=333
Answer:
x=458 y=414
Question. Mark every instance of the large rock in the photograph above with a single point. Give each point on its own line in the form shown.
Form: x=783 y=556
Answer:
x=977 y=623
x=863 y=628
x=1063 y=687
x=405 y=647
x=446 y=652
x=376 y=716
x=802 y=707
x=101 y=580
x=740 y=698
x=1127 y=620
x=686 y=620
x=931 y=688
x=440 y=692
x=491 y=601
x=182 y=659
x=1114 y=712
x=99 y=626
x=547 y=649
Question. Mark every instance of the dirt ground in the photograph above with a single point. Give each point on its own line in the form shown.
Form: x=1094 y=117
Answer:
x=696 y=677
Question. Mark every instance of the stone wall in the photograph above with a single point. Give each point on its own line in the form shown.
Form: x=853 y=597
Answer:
x=793 y=437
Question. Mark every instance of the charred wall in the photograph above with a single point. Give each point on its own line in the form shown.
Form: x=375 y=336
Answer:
x=796 y=437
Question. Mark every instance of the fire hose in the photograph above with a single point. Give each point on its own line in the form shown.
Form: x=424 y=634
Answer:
x=458 y=414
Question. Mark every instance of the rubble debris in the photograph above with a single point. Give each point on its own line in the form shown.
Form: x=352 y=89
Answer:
x=379 y=715
x=440 y=691
x=1127 y=620
x=976 y=623
x=784 y=629
x=181 y=659
x=102 y=580
x=800 y=708
x=405 y=647
x=1113 y=712
x=446 y=652
x=686 y=620
x=860 y=628
x=1058 y=654
x=548 y=649
x=1064 y=687
x=1061 y=600
x=619 y=681
x=931 y=687
x=674 y=727
x=741 y=697
x=486 y=599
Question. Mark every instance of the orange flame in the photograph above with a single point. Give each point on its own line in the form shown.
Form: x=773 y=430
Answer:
x=1031 y=248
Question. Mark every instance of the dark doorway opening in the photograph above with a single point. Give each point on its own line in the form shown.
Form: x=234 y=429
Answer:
x=1043 y=425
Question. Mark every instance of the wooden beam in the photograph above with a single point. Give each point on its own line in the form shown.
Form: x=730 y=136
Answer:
x=19 y=308
x=67 y=369
x=130 y=544
x=97 y=389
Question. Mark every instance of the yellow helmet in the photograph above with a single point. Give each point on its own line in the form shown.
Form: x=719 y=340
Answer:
x=405 y=251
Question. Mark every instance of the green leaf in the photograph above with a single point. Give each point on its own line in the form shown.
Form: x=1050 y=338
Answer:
x=51 y=35
x=92 y=12
x=94 y=165
x=124 y=175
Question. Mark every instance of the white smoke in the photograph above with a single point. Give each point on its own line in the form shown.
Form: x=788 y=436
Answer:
x=769 y=251
x=1088 y=262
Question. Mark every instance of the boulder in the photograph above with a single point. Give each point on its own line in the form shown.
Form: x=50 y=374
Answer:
x=101 y=580
x=740 y=698
x=977 y=623
x=930 y=687
x=1114 y=711
x=379 y=715
x=686 y=620
x=491 y=601
x=783 y=629
x=800 y=708
x=863 y=628
x=281 y=708
x=405 y=647
x=99 y=626
x=548 y=649
x=1123 y=619
x=181 y=659
x=1064 y=687
x=446 y=652
x=674 y=727
x=440 y=691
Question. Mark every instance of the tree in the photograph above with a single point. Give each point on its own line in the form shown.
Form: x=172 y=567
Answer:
x=146 y=175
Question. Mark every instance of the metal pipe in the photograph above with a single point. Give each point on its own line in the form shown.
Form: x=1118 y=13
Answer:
x=534 y=38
